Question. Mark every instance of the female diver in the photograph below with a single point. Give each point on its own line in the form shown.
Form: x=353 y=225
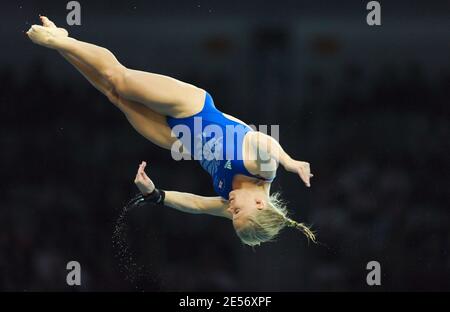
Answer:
x=161 y=108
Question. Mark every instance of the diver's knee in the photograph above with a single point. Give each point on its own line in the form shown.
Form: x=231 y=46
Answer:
x=113 y=96
x=115 y=76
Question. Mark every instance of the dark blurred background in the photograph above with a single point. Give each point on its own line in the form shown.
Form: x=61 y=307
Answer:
x=367 y=106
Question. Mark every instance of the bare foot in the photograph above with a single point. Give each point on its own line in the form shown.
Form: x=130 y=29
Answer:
x=47 y=34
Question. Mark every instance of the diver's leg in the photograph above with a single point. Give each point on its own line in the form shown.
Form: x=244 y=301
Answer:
x=148 y=123
x=163 y=94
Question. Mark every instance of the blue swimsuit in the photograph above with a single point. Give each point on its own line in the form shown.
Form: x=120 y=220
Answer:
x=216 y=141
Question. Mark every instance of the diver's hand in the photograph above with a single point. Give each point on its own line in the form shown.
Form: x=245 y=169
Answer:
x=302 y=168
x=142 y=181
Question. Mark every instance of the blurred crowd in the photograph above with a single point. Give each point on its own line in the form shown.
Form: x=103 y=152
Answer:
x=378 y=148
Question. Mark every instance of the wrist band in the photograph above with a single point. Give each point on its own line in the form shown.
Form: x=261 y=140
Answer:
x=155 y=197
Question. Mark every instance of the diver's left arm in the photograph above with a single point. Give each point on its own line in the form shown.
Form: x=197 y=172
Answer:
x=185 y=202
x=269 y=148
x=196 y=204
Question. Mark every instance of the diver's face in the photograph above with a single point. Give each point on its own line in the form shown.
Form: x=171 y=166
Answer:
x=243 y=203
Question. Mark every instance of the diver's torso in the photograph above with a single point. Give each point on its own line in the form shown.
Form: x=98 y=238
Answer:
x=221 y=144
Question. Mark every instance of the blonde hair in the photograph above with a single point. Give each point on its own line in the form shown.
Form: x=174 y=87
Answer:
x=265 y=225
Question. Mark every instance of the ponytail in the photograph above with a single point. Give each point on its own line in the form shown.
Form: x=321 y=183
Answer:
x=302 y=227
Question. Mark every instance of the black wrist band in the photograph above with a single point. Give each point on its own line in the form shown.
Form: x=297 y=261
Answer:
x=155 y=197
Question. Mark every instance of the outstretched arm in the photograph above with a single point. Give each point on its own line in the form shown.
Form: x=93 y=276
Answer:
x=185 y=202
x=268 y=149
x=196 y=204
